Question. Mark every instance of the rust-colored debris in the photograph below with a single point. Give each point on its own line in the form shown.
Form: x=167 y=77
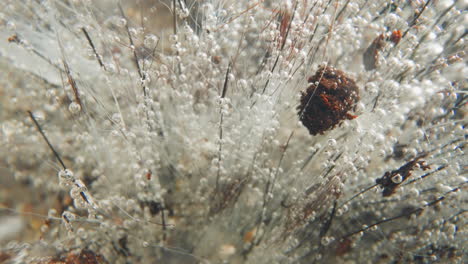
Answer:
x=388 y=182
x=328 y=100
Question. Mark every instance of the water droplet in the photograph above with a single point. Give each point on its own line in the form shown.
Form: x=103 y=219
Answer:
x=325 y=241
x=44 y=228
x=173 y=38
x=50 y=93
x=116 y=118
x=183 y=13
x=397 y=179
x=52 y=213
x=74 y=107
x=163 y=70
x=222 y=13
x=11 y=26
x=39 y=115
x=81 y=232
x=68 y=216
x=150 y=41
x=66 y=177
x=121 y=22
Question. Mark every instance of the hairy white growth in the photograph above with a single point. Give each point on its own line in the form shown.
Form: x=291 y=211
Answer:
x=179 y=121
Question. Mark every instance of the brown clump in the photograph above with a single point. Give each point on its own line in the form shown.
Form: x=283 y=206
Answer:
x=14 y=39
x=371 y=55
x=4 y=257
x=387 y=183
x=328 y=100
x=86 y=256
x=395 y=37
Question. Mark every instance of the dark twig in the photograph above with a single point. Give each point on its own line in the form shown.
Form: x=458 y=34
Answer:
x=46 y=139
x=223 y=94
x=357 y=194
x=72 y=83
x=93 y=47
x=414 y=211
x=132 y=46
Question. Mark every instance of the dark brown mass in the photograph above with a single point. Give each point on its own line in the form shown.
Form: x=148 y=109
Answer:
x=389 y=186
x=328 y=100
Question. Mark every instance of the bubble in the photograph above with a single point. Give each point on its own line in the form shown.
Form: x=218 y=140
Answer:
x=397 y=179
x=326 y=240
x=120 y=22
x=66 y=176
x=11 y=26
x=434 y=48
x=39 y=115
x=183 y=78
x=332 y=142
x=80 y=186
x=111 y=68
x=50 y=93
x=44 y=228
x=52 y=212
x=116 y=118
x=81 y=232
x=173 y=38
x=163 y=70
x=443 y=188
x=68 y=216
x=183 y=13
x=414 y=192
x=74 y=107
x=150 y=40
x=226 y=250
x=444 y=4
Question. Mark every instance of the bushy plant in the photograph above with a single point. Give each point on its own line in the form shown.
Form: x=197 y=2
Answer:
x=175 y=131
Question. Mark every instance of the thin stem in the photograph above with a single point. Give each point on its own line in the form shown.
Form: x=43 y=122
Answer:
x=46 y=139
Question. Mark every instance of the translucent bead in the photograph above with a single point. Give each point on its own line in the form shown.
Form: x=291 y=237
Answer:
x=74 y=107
x=66 y=176
x=183 y=13
x=173 y=38
x=67 y=218
x=397 y=179
x=52 y=212
x=81 y=232
x=80 y=186
x=150 y=41
x=332 y=142
x=44 y=228
x=326 y=240
x=120 y=22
